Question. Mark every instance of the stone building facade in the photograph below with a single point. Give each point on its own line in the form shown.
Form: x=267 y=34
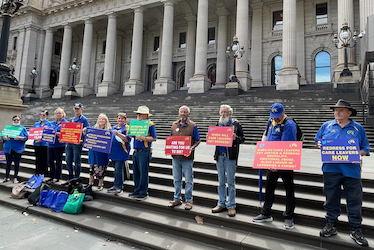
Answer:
x=133 y=46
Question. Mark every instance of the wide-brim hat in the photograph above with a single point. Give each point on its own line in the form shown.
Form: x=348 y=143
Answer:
x=344 y=104
x=143 y=110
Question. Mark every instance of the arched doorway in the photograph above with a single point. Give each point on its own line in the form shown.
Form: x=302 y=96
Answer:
x=276 y=66
x=212 y=74
x=323 y=67
x=53 y=79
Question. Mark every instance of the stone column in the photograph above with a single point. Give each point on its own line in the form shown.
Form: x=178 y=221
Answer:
x=63 y=80
x=45 y=71
x=256 y=51
x=289 y=74
x=39 y=56
x=135 y=85
x=221 y=77
x=366 y=10
x=165 y=84
x=200 y=83
x=190 y=49
x=20 y=44
x=107 y=86
x=300 y=41
x=84 y=88
x=160 y=22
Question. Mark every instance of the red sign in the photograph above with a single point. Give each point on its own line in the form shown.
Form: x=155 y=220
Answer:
x=178 y=145
x=278 y=155
x=36 y=133
x=220 y=136
x=71 y=132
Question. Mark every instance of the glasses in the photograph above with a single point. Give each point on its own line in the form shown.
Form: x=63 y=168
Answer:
x=16 y=120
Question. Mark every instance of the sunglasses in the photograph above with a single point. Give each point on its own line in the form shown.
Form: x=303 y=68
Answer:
x=16 y=120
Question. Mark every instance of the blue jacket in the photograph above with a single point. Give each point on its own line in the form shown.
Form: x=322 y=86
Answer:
x=17 y=145
x=57 y=126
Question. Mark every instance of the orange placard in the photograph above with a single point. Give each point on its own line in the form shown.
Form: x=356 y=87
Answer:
x=71 y=132
x=220 y=136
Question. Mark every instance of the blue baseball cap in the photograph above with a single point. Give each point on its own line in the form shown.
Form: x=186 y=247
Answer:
x=276 y=110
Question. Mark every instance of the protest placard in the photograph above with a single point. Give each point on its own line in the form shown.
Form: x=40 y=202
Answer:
x=98 y=140
x=2 y=157
x=220 y=136
x=11 y=131
x=139 y=127
x=71 y=132
x=340 y=150
x=178 y=145
x=35 y=133
x=49 y=135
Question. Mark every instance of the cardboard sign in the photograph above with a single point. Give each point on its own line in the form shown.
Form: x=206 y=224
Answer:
x=49 y=135
x=139 y=127
x=11 y=131
x=220 y=136
x=71 y=132
x=284 y=155
x=98 y=140
x=2 y=157
x=340 y=150
x=36 y=133
x=178 y=145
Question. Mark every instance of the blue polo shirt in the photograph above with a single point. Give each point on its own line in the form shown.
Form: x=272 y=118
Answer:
x=39 y=125
x=332 y=130
x=145 y=144
x=289 y=131
x=81 y=119
x=119 y=151
x=224 y=149
x=17 y=145
x=57 y=127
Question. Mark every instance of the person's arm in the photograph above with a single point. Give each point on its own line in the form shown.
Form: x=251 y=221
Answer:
x=239 y=134
x=289 y=131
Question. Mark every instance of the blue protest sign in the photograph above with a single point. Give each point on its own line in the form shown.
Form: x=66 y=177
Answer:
x=49 y=135
x=340 y=150
x=2 y=157
x=99 y=140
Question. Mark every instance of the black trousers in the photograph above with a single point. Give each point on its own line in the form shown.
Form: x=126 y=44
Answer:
x=41 y=155
x=271 y=184
x=13 y=156
x=55 y=162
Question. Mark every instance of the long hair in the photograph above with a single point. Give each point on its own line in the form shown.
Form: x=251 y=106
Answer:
x=107 y=123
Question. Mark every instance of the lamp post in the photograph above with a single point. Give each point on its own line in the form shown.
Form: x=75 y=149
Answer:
x=345 y=36
x=33 y=75
x=7 y=9
x=73 y=70
x=235 y=51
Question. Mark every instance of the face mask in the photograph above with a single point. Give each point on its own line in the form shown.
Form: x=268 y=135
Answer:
x=16 y=124
x=43 y=120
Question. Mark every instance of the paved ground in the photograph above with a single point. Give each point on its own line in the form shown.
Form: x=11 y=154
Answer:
x=18 y=231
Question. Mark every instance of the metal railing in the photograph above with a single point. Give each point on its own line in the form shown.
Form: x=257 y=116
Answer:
x=364 y=90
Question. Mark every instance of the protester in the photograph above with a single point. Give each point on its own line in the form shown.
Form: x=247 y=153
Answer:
x=73 y=152
x=57 y=148
x=346 y=175
x=279 y=128
x=41 y=148
x=13 y=148
x=120 y=152
x=182 y=164
x=142 y=156
x=98 y=160
x=227 y=160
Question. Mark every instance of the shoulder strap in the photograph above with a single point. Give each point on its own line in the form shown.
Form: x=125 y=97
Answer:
x=282 y=124
x=267 y=127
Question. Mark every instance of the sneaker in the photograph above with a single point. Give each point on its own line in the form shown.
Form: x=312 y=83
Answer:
x=141 y=197
x=356 y=235
x=262 y=218
x=218 y=209
x=288 y=224
x=112 y=190
x=133 y=195
x=231 y=212
x=328 y=230
x=5 y=180
x=119 y=191
x=15 y=181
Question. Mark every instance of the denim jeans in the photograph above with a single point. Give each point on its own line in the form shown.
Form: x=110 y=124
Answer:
x=140 y=168
x=353 y=193
x=73 y=152
x=182 y=166
x=226 y=169
x=118 y=174
x=13 y=156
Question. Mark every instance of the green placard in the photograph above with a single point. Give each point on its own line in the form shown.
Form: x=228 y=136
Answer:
x=139 y=127
x=11 y=131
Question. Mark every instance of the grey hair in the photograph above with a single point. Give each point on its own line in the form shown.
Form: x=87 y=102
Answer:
x=184 y=106
x=228 y=108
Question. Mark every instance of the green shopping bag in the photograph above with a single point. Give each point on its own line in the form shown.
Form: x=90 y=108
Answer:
x=74 y=203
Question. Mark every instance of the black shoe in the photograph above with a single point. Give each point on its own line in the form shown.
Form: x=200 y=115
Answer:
x=358 y=237
x=328 y=230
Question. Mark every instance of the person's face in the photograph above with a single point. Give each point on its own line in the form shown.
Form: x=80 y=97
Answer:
x=184 y=114
x=224 y=112
x=121 y=120
x=101 y=121
x=16 y=119
x=142 y=116
x=78 y=111
x=341 y=113
x=58 y=115
x=43 y=115
x=279 y=119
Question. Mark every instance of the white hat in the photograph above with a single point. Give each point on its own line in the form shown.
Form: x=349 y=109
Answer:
x=143 y=110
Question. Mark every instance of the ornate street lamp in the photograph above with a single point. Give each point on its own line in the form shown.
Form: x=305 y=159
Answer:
x=7 y=9
x=33 y=75
x=345 y=36
x=235 y=51
x=73 y=70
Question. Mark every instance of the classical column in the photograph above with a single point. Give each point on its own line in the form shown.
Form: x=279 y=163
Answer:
x=63 y=80
x=39 y=56
x=221 y=77
x=135 y=85
x=288 y=77
x=200 y=83
x=160 y=22
x=190 y=49
x=165 y=84
x=256 y=51
x=20 y=44
x=84 y=88
x=45 y=71
x=366 y=10
x=300 y=41
x=107 y=86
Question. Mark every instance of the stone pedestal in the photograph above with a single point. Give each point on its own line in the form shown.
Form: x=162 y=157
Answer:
x=199 y=84
x=43 y=92
x=30 y=97
x=233 y=89
x=244 y=79
x=356 y=75
x=59 y=91
x=106 y=89
x=257 y=83
x=10 y=104
x=164 y=86
x=84 y=89
x=133 y=87
x=71 y=95
x=289 y=79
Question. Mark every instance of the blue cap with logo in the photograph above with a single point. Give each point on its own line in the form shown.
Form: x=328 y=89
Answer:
x=276 y=110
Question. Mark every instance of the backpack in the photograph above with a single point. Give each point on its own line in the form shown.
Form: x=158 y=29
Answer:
x=19 y=191
x=75 y=183
x=299 y=133
x=35 y=196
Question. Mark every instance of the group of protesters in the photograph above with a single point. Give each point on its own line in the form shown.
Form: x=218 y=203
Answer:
x=279 y=128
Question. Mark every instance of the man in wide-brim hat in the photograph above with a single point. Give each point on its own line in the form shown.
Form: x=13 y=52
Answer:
x=339 y=174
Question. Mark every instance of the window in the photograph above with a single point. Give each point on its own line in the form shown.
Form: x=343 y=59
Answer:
x=212 y=35
x=321 y=13
x=182 y=40
x=276 y=66
x=57 y=49
x=278 y=20
x=323 y=68
x=156 y=43
x=15 y=43
x=104 y=47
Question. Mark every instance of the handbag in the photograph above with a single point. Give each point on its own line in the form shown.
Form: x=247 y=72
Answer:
x=46 y=198
x=59 y=201
x=74 y=204
x=19 y=191
x=35 y=181
x=35 y=196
